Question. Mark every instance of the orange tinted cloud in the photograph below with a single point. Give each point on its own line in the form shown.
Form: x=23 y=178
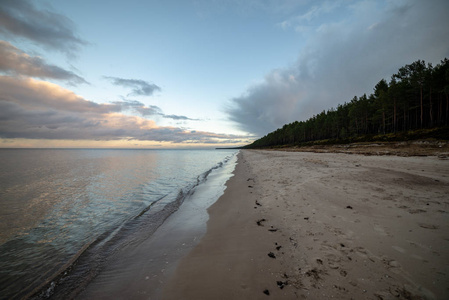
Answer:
x=33 y=109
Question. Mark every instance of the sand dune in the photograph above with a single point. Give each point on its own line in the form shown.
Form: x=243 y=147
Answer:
x=323 y=225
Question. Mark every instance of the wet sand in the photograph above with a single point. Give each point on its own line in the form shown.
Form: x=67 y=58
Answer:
x=294 y=225
x=140 y=269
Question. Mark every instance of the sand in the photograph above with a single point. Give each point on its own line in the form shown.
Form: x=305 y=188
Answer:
x=140 y=269
x=294 y=225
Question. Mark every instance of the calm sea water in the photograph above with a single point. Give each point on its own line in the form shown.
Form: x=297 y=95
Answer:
x=63 y=212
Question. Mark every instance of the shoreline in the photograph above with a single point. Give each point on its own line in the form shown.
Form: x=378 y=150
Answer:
x=223 y=264
x=323 y=225
x=140 y=268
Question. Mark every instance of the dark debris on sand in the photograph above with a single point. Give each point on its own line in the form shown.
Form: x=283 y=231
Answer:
x=259 y=222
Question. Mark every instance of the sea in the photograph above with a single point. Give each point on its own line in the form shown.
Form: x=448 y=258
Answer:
x=65 y=212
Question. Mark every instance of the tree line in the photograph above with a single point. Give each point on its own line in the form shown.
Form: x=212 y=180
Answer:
x=415 y=98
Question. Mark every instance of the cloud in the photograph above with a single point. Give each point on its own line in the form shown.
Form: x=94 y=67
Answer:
x=138 y=107
x=342 y=58
x=33 y=109
x=139 y=87
x=151 y=110
x=179 y=118
x=266 y=106
x=306 y=19
x=35 y=95
x=20 y=18
x=15 y=61
x=247 y=7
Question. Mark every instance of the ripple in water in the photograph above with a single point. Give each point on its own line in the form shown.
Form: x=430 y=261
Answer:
x=55 y=203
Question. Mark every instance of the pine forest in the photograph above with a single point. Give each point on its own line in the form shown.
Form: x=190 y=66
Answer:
x=415 y=98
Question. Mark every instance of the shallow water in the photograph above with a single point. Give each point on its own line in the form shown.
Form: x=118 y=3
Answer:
x=56 y=205
x=141 y=271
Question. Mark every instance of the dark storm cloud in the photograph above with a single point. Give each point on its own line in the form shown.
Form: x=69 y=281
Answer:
x=15 y=61
x=343 y=58
x=138 y=87
x=20 y=18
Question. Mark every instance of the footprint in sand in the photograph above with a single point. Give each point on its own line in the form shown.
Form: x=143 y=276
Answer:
x=416 y=211
x=428 y=226
x=391 y=264
x=333 y=261
x=315 y=275
x=364 y=253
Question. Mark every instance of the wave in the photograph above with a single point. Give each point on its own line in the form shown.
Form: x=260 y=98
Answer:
x=85 y=265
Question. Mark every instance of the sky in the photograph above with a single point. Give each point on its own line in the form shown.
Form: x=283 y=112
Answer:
x=196 y=73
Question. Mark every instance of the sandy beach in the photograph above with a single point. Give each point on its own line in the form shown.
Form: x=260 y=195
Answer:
x=297 y=225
